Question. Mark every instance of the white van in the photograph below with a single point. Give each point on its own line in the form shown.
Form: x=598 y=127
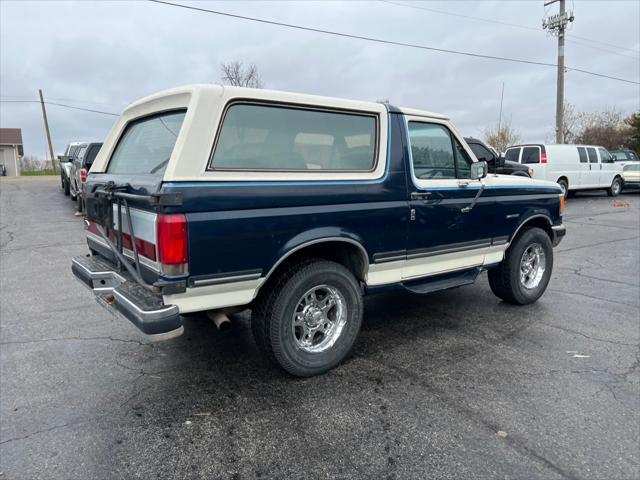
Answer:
x=573 y=167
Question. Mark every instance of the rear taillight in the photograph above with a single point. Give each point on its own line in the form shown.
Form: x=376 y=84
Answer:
x=543 y=157
x=83 y=175
x=173 y=244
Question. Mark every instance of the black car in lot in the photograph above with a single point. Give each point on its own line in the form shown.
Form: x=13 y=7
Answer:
x=624 y=155
x=496 y=162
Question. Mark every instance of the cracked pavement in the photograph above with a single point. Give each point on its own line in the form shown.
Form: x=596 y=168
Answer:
x=430 y=383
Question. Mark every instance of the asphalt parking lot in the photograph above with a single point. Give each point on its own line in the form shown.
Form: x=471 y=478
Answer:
x=450 y=385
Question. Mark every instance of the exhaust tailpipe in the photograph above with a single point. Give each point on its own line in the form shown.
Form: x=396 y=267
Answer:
x=220 y=319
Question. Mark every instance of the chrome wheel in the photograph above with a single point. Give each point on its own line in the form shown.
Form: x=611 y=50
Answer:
x=319 y=319
x=532 y=265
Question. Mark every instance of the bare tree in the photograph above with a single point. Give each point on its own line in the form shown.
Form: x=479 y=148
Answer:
x=501 y=136
x=237 y=74
x=29 y=162
x=571 y=123
x=606 y=128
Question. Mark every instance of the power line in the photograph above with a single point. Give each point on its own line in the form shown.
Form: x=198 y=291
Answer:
x=58 y=99
x=453 y=14
x=387 y=42
x=602 y=49
x=515 y=25
x=62 y=105
x=84 y=109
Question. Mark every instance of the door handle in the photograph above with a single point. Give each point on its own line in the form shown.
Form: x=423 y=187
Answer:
x=420 y=195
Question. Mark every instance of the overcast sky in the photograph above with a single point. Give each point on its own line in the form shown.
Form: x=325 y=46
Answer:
x=104 y=55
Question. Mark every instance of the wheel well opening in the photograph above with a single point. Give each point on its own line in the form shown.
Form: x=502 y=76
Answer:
x=539 y=222
x=351 y=256
x=563 y=178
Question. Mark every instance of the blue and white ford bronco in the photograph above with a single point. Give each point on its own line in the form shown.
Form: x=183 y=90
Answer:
x=218 y=199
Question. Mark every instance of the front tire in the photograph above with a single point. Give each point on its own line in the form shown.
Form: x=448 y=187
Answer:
x=564 y=186
x=307 y=320
x=615 y=188
x=66 y=187
x=524 y=274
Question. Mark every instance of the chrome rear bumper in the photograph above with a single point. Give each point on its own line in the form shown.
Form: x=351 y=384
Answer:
x=122 y=296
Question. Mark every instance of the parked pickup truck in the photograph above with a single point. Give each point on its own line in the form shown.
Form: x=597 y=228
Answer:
x=80 y=165
x=219 y=199
x=66 y=161
x=495 y=161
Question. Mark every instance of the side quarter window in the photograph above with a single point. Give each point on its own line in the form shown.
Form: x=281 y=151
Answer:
x=582 y=153
x=593 y=156
x=431 y=151
x=530 y=155
x=287 y=138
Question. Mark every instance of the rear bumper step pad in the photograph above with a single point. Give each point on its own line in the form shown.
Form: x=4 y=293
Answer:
x=125 y=297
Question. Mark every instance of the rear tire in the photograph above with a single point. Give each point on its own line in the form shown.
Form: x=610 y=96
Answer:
x=615 y=188
x=524 y=274
x=307 y=320
x=564 y=186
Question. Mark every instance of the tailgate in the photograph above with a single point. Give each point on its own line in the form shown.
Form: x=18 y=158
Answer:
x=122 y=225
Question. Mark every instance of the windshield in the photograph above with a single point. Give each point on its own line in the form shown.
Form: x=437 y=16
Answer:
x=146 y=144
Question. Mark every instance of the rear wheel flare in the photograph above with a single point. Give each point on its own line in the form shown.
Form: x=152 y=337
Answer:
x=278 y=308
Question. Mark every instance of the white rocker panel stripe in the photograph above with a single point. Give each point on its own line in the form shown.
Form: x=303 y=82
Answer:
x=394 y=272
x=214 y=296
x=243 y=292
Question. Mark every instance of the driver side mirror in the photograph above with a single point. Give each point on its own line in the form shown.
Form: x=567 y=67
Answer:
x=64 y=158
x=479 y=170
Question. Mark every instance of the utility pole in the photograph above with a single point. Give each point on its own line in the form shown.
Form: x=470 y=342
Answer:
x=46 y=129
x=557 y=24
x=500 y=115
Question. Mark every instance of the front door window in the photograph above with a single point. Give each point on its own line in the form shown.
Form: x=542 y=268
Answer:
x=432 y=151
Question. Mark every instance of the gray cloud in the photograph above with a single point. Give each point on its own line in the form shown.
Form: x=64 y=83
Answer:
x=103 y=55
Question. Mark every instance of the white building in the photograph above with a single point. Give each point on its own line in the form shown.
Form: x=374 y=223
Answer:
x=10 y=150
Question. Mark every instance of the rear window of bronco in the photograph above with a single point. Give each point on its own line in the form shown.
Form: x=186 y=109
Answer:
x=275 y=137
x=146 y=144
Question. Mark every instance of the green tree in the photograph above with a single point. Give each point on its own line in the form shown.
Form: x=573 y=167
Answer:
x=633 y=122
